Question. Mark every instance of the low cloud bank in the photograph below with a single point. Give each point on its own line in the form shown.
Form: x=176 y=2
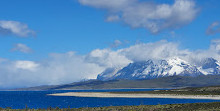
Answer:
x=70 y=67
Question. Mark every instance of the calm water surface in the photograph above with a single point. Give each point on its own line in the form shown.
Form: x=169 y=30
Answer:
x=39 y=99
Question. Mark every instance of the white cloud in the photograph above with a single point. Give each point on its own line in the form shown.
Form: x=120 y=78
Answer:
x=57 y=69
x=70 y=67
x=213 y=28
x=108 y=4
x=21 y=48
x=15 y=28
x=26 y=65
x=158 y=50
x=195 y=57
x=215 y=45
x=107 y=58
x=140 y=14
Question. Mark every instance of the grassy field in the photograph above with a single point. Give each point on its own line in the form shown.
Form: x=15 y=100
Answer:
x=215 y=106
x=211 y=90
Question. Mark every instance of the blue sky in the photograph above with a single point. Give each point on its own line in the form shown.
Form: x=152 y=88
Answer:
x=58 y=27
x=66 y=25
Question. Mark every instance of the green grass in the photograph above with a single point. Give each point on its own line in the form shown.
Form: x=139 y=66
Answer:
x=215 y=106
x=171 y=92
x=211 y=90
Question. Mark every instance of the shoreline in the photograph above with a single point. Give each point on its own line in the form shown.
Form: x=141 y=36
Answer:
x=110 y=95
x=92 y=89
x=120 y=89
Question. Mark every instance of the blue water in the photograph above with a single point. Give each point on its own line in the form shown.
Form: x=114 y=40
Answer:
x=39 y=99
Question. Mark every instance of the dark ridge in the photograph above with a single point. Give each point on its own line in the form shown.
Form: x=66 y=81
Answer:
x=163 y=82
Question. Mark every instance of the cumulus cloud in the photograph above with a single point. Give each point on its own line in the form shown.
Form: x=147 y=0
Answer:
x=21 y=48
x=154 y=17
x=196 y=56
x=157 y=50
x=26 y=65
x=56 y=69
x=213 y=28
x=70 y=67
x=107 y=58
x=15 y=28
x=112 y=5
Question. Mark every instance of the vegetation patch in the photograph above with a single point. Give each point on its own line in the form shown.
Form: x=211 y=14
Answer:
x=211 y=90
x=215 y=106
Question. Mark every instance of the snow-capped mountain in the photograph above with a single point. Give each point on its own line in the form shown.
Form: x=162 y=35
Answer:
x=209 y=66
x=159 y=68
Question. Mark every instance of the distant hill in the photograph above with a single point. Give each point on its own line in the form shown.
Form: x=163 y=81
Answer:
x=163 y=82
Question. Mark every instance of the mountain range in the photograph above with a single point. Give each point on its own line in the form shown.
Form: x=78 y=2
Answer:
x=151 y=69
x=171 y=73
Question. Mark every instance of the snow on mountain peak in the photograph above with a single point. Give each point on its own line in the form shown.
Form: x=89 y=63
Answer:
x=177 y=61
x=178 y=65
x=159 y=68
x=209 y=66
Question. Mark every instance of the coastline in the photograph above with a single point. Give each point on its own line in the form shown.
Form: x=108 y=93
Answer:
x=111 y=95
x=122 y=88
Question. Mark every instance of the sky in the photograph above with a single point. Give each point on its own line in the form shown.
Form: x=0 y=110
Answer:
x=45 y=42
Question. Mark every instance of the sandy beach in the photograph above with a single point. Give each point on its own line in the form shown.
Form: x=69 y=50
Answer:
x=112 y=95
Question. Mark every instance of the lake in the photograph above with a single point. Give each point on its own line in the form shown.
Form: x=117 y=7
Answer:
x=39 y=99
